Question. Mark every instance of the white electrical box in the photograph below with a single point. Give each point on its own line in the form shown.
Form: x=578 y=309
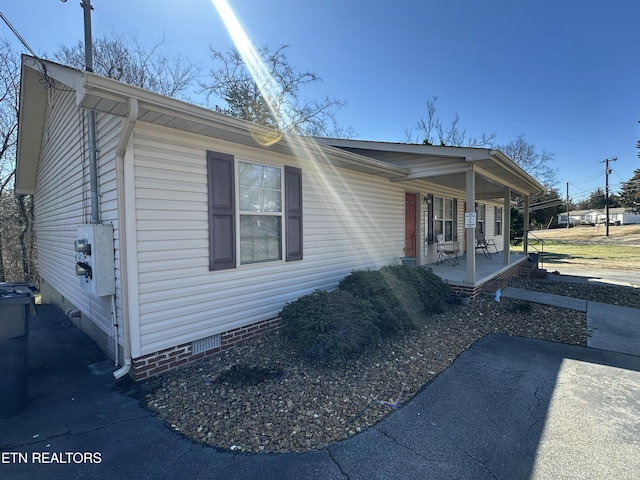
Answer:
x=95 y=260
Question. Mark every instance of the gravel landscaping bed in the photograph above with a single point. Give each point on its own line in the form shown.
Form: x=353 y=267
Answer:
x=260 y=397
x=596 y=292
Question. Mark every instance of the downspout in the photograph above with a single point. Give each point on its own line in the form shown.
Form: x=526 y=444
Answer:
x=128 y=123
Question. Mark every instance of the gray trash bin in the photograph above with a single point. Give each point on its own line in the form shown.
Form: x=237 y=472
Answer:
x=16 y=302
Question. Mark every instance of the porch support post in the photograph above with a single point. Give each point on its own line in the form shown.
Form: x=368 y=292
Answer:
x=525 y=241
x=471 y=232
x=506 y=231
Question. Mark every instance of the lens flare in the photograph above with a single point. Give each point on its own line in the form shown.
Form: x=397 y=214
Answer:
x=346 y=207
x=269 y=88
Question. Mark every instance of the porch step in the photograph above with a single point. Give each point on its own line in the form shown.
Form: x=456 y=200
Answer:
x=530 y=269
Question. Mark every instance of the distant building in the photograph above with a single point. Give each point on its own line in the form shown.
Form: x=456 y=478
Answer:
x=617 y=216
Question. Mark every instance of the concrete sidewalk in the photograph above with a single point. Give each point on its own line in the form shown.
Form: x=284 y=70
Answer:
x=506 y=408
x=545 y=298
x=610 y=327
x=627 y=278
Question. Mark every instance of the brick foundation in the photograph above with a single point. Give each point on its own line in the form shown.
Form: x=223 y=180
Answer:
x=155 y=363
x=499 y=281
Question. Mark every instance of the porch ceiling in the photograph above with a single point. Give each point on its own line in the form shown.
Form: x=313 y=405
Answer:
x=447 y=166
x=486 y=188
x=492 y=175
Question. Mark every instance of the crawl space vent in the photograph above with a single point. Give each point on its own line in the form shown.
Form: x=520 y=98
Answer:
x=204 y=344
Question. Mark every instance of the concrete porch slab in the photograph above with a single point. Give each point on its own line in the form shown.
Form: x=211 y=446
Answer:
x=486 y=269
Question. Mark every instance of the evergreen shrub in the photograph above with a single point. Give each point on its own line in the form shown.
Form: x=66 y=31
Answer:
x=327 y=326
x=397 y=307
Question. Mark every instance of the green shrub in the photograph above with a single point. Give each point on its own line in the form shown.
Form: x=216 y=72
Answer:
x=435 y=292
x=325 y=326
x=430 y=289
x=397 y=307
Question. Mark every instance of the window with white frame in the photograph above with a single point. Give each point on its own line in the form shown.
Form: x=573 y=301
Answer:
x=481 y=218
x=498 y=217
x=443 y=218
x=253 y=208
x=260 y=211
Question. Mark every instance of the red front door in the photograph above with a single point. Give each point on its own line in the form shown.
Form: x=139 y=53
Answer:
x=410 y=200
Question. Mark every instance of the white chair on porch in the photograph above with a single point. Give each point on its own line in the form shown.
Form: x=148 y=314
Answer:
x=447 y=251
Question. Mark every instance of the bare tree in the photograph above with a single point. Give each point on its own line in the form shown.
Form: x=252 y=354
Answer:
x=113 y=57
x=9 y=87
x=125 y=60
x=537 y=164
x=431 y=131
x=26 y=237
x=273 y=98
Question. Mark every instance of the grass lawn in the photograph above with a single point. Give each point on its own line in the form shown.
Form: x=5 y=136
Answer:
x=589 y=247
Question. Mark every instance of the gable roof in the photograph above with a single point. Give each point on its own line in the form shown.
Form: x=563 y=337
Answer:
x=447 y=165
x=105 y=95
x=396 y=161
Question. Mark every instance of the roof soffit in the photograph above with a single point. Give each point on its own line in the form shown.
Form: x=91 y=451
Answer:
x=440 y=163
x=108 y=96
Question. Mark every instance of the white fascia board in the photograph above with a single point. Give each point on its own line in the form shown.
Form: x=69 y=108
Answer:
x=427 y=150
x=508 y=164
x=68 y=76
x=97 y=86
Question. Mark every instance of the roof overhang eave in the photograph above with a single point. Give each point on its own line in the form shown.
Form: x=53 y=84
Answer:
x=527 y=184
x=109 y=96
x=116 y=94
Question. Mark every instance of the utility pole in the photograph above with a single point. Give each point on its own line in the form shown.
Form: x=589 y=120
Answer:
x=607 y=171
x=567 y=204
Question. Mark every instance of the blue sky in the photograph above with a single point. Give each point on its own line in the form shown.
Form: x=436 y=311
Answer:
x=566 y=74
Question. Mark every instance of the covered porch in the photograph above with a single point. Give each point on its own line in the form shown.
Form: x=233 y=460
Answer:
x=448 y=191
x=488 y=271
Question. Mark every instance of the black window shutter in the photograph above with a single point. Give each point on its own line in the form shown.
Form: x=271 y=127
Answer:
x=430 y=218
x=221 y=182
x=455 y=220
x=293 y=212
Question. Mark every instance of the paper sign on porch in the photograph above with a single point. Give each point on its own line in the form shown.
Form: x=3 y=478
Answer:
x=470 y=220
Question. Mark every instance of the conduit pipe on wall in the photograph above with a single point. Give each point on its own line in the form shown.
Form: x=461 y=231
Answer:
x=91 y=116
x=93 y=167
x=114 y=322
x=128 y=123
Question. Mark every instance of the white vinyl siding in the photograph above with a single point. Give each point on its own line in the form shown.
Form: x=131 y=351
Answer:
x=62 y=198
x=351 y=221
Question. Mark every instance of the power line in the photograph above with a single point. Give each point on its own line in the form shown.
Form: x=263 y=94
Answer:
x=22 y=40
x=47 y=80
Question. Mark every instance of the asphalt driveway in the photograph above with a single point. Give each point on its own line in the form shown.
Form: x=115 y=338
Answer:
x=507 y=408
